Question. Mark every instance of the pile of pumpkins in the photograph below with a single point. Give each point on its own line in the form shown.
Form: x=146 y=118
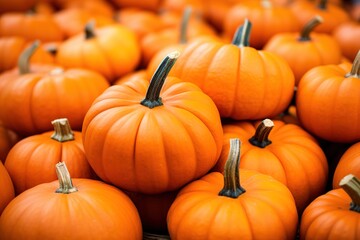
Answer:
x=179 y=119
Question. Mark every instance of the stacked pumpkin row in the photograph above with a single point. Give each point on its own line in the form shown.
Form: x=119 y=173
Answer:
x=148 y=111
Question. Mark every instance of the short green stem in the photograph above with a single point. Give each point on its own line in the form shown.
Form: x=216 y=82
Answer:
x=65 y=182
x=351 y=185
x=261 y=136
x=25 y=56
x=322 y=4
x=184 y=24
x=309 y=27
x=152 y=98
x=232 y=187
x=90 y=30
x=355 y=69
x=242 y=35
x=62 y=130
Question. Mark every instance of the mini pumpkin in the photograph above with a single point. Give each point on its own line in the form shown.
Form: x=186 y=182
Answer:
x=346 y=34
x=152 y=136
x=75 y=208
x=7 y=188
x=241 y=204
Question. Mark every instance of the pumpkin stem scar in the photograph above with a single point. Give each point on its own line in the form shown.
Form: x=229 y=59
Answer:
x=260 y=138
x=355 y=70
x=309 y=27
x=351 y=185
x=62 y=130
x=25 y=56
x=90 y=29
x=152 y=98
x=242 y=35
x=65 y=182
x=232 y=187
x=184 y=24
x=322 y=4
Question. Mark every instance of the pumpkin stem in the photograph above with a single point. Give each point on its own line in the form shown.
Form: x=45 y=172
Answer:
x=62 y=130
x=322 y=4
x=309 y=27
x=351 y=185
x=260 y=139
x=25 y=56
x=152 y=98
x=242 y=35
x=355 y=69
x=90 y=29
x=184 y=24
x=232 y=187
x=65 y=182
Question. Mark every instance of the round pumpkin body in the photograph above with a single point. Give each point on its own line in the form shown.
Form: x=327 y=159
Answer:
x=95 y=211
x=227 y=74
x=31 y=161
x=113 y=51
x=348 y=164
x=268 y=19
x=39 y=98
x=328 y=103
x=7 y=188
x=266 y=208
x=152 y=150
x=293 y=157
x=346 y=34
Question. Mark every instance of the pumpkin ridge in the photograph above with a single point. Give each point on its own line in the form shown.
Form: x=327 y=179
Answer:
x=107 y=59
x=31 y=99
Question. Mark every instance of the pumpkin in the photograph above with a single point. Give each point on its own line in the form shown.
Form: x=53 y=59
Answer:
x=152 y=5
x=133 y=76
x=346 y=34
x=40 y=97
x=113 y=51
x=306 y=49
x=334 y=215
x=7 y=189
x=97 y=7
x=8 y=138
x=332 y=14
x=75 y=208
x=152 y=136
x=348 y=164
x=11 y=49
x=328 y=103
x=32 y=26
x=16 y=5
x=31 y=160
x=280 y=150
x=241 y=204
x=79 y=17
x=226 y=72
x=263 y=15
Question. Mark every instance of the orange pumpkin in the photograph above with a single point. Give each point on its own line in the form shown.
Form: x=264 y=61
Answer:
x=112 y=51
x=16 y=5
x=8 y=138
x=31 y=160
x=334 y=215
x=152 y=137
x=227 y=74
x=148 y=4
x=306 y=49
x=96 y=7
x=280 y=150
x=332 y=14
x=40 y=98
x=7 y=189
x=76 y=208
x=347 y=34
x=328 y=103
x=32 y=26
x=241 y=204
x=348 y=164
x=268 y=19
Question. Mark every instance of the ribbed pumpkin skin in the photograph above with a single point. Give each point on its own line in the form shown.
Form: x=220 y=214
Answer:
x=95 y=211
x=31 y=161
x=293 y=158
x=266 y=210
x=244 y=83
x=33 y=100
x=329 y=217
x=7 y=188
x=348 y=164
x=152 y=150
x=328 y=103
